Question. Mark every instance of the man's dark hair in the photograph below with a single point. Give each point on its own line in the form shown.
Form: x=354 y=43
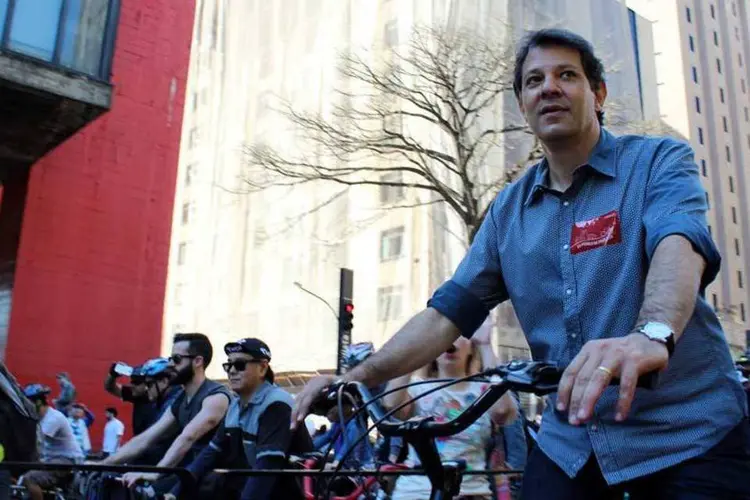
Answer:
x=199 y=345
x=556 y=37
x=113 y=411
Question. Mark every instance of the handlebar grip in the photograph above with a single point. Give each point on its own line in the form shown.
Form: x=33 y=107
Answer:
x=645 y=381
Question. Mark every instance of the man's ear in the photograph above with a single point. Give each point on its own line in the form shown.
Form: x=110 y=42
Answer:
x=600 y=95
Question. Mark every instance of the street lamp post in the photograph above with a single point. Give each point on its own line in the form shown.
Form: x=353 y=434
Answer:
x=299 y=285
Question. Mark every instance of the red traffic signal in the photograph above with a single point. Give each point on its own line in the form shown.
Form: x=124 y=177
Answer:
x=349 y=307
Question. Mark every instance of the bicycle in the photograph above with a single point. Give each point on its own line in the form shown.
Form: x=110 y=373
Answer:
x=533 y=377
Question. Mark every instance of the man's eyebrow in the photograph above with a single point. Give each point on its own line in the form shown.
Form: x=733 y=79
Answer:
x=558 y=67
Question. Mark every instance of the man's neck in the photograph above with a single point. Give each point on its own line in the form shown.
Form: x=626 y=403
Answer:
x=43 y=411
x=247 y=395
x=565 y=156
x=192 y=387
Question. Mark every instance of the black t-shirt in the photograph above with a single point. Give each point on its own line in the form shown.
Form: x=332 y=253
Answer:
x=145 y=413
x=185 y=410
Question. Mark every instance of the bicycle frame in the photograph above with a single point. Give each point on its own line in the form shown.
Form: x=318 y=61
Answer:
x=533 y=377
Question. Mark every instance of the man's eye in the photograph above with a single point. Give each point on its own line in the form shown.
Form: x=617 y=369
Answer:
x=532 y=80
x=568 y=74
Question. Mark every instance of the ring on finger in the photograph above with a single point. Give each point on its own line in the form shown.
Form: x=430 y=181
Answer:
x=605 y=370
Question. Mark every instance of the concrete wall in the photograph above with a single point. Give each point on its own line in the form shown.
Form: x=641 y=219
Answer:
x=92 y=261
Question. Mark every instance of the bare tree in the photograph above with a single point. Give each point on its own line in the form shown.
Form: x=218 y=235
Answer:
x=427 y=118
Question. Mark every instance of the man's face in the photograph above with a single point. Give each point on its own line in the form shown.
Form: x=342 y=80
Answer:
x=183 y=363
x=556 y=97
x=108 y=415
x=249 y=377
x=77 y=413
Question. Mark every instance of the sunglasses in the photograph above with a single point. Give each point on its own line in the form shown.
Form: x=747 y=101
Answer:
x=177 y=358
x=239 y=364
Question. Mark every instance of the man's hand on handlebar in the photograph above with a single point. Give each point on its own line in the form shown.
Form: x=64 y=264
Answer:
x=592 y=370
x=313 y=390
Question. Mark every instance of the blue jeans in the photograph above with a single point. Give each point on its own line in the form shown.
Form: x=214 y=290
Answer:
x=722 y=473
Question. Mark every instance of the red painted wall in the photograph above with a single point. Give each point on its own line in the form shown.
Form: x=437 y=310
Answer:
x=92 y=262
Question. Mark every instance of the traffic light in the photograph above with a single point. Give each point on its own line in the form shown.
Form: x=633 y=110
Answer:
x=347 y=316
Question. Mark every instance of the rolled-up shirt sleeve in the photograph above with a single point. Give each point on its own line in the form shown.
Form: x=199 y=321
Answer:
x=477 y=286
x=675 y=203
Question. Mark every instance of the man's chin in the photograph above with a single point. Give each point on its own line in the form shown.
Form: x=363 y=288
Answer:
x=555 y=132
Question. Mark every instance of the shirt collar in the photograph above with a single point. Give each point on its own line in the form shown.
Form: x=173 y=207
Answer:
x=259 y=394
x=601 y=160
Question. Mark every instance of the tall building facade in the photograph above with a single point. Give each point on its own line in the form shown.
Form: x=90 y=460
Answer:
x=702 y=50
x=91 y=95
x=246 y=263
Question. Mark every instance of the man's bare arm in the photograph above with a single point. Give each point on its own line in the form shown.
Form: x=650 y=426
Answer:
x=672 y=284
x=212 y=411
x=136 y=446
x=419 y=341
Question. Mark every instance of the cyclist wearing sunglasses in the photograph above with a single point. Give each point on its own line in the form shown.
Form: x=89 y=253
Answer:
x=255 y=432
x=195 y=414
x=604 y=250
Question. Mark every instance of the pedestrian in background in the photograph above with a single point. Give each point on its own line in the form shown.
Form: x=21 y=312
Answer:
x=114 y=429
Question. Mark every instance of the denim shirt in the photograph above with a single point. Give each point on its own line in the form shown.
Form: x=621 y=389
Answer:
x=574 y=267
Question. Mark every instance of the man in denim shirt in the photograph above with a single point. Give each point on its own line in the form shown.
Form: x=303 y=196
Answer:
x=604 y=251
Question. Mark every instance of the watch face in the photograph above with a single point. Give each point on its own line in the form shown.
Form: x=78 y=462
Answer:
x=657 y=330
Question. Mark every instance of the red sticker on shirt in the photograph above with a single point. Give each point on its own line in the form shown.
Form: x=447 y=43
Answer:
x=594 y=233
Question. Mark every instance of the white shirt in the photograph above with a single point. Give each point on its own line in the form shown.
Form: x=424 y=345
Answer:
x=57 y=439
x=113 y=432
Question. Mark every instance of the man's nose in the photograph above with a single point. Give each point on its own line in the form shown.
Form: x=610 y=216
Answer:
x=551 y=85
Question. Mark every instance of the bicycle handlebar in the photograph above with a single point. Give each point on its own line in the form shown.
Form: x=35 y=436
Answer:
x=534 y=377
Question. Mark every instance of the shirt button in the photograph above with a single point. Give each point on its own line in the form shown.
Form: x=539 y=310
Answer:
x=594 y=427
x=573 y=335
x=565 y=247
x=566 y=203
x=568 y=291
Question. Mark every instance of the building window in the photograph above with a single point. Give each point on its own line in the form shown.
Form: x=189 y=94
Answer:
x=710 y=231
x=715 y=300
x=739 y=280
x=708 y=200
x=716 y=38
x=742 y=85
x=194 y=101
x=724 y=122
x=721 y=94
x=729 y=154
x=391 y=34
x=193 y=137
x=747 y=115
x=713 y=12
x=695 y=75
x=731 y=184
x=739 y=59
x=734 y=9
x=390 y=301
x=689 y=18
x=698 y=105
x=391 y=194
x=718 y=65
x=189 y=172
x=181 y=253
x=186 y=209
x=742 y=312
x=692 y=43
x=734 y=215
x=700 y=135
x=391 y=243
x=737 y=33
x=704 y=170
x=737 y=247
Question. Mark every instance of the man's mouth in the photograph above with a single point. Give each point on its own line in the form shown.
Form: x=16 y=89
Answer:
x=451 y=350
x=552 y=108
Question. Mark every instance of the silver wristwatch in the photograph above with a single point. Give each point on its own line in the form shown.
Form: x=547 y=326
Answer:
x=659 y=332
